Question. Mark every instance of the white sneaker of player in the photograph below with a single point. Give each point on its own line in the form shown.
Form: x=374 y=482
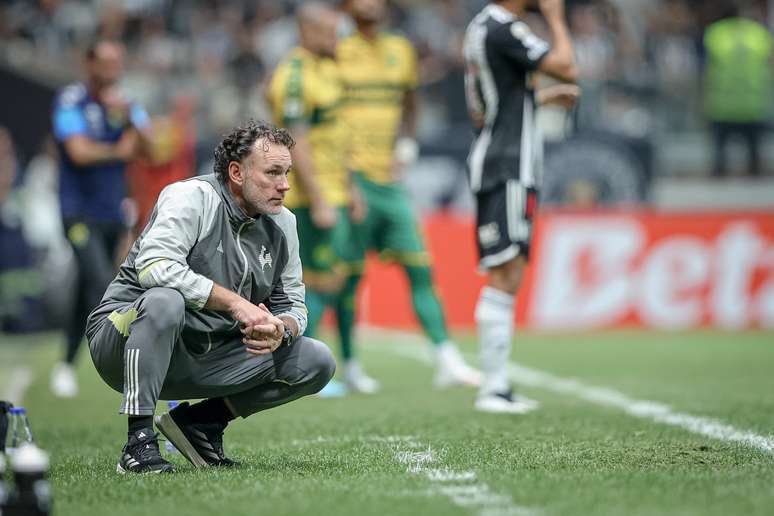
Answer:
x=506 y=403
x=357 y=380
x=63 y=381
x=451 y=369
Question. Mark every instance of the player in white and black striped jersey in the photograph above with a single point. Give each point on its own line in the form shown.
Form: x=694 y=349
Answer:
x=502 y=55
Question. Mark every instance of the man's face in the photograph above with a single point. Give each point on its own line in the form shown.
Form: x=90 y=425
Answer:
x=369 y=11
x=107 y=65
x=327 y=36
x=265 y=178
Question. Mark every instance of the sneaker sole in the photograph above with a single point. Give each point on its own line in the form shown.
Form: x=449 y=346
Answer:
x=515 y=409
x=367 y=392
x=121 y=471
x=171 y=431
x=445 y=381
x=357 y=389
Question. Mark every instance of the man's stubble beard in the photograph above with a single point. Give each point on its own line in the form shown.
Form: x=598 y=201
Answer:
x=259 y=206
x=251 y=198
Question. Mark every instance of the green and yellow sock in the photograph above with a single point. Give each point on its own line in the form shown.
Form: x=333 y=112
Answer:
x=345 y=316
x=426 y=304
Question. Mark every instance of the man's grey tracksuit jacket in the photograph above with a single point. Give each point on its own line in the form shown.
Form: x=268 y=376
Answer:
x=151 y=337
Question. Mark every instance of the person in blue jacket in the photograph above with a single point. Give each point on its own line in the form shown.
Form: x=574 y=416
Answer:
x=97 y=131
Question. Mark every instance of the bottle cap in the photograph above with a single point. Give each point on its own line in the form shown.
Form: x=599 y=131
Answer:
x=28 y=458
x=172 y=404
x=13 y=410
x=21 y=410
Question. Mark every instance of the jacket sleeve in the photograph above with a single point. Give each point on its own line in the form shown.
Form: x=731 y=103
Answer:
x=185 y=212
x=287 y=296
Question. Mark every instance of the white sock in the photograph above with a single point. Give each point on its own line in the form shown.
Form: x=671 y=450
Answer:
x=446 y=354
x=444 y=348
x=494 y=316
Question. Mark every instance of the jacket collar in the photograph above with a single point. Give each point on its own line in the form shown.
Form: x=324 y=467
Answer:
x=236 y=215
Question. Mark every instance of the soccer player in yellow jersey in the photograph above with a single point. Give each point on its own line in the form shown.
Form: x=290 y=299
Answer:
x=305 y=95
x=379 y=72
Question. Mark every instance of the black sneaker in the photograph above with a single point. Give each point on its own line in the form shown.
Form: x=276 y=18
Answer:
x=200 y=443
x=141 y=454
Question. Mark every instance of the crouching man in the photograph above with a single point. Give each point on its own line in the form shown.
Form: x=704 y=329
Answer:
x=209 y=304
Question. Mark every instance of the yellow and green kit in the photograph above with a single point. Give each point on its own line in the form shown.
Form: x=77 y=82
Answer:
x=305 y=90
x=377 y=74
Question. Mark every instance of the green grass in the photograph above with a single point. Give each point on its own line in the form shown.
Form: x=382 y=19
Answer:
x=324 y=456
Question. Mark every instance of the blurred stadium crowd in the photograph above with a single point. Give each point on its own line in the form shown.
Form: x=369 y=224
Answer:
x=640 y=62
x=199 y=67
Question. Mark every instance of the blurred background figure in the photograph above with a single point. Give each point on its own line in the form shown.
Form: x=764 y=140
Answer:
x=379 y=74
x=738 y=85
x=306 y=96
x=21 y=281
x=503 y=59
x=171 y=157
x=34 y=252
x=97 y=131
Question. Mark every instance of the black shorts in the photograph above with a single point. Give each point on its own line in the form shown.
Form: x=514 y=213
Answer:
x=504 y=223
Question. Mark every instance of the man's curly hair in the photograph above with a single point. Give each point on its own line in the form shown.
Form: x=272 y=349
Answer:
x=238 y=144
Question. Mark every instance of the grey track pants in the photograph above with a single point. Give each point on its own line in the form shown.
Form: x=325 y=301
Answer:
x=138 y=351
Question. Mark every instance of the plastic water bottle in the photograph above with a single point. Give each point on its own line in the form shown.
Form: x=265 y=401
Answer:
x=168 y=445
x=13 y=430
x=20 y=428
x=24 y=423
x=30 y=473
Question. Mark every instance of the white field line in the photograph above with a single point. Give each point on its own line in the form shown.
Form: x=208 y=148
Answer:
x=644 y=409
x=462 y=488
x=411 y=440
x=21 y=378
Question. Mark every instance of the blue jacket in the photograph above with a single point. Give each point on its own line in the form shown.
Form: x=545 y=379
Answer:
x=90 y=193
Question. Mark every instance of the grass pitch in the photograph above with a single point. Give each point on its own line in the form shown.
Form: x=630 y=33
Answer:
x=413 y=450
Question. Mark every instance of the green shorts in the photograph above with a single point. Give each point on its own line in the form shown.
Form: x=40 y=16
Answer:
x=326 y=250
x=390 y=227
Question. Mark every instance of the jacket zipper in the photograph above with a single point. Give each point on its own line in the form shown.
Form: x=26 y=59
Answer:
x=244 y=257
